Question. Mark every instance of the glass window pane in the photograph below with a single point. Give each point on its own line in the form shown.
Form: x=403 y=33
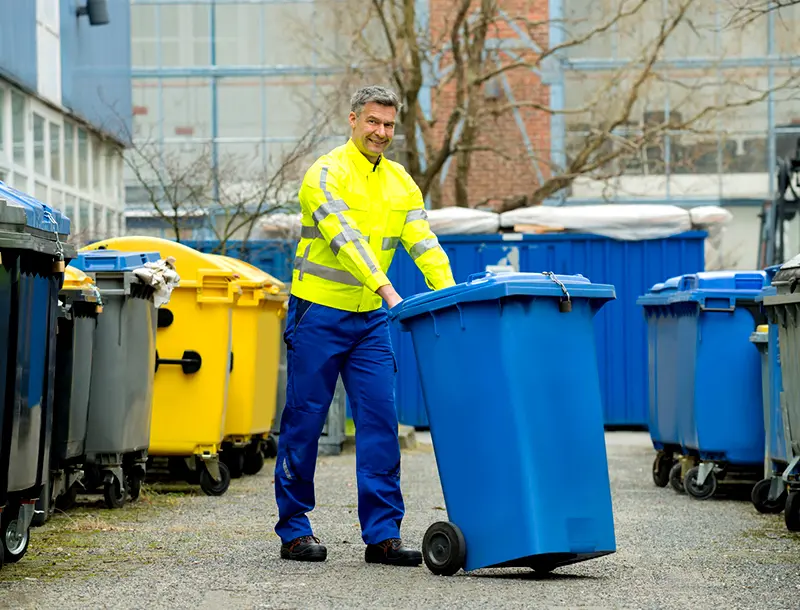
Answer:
x=57 y=199
x=40 y=191
x=18 y=127
x=69 y=210
x=2 y=118
x=38 y=145
x=85 y=220
x=55 y=151
x=187 y=108
x=241 y=108
x=145 y=108
x=98 y=228
x=111 y=230
x=111 y=163
x=69 y=153
x=83 y=159
x=3 y=175
x=98 y=150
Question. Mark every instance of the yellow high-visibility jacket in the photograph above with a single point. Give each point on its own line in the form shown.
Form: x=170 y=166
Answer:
x=354 y=216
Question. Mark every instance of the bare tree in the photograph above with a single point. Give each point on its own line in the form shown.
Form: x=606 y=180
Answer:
x=746 y=11
x=470 y=49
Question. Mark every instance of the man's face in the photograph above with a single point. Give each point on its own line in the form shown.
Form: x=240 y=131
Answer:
x=373 y=129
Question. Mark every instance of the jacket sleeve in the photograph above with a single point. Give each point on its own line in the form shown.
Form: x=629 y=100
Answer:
x=320 y=199
x=422 y=245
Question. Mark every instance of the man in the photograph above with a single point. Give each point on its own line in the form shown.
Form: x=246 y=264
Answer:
x=357 y=208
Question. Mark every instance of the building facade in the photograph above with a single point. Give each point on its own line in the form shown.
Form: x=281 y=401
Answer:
x=65 y=107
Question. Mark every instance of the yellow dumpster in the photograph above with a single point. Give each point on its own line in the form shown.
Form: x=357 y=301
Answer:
x=252 y=392
x=193 y=362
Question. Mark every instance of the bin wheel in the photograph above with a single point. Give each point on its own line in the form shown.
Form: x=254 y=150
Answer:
x=213 y=488
x=759 y=496
x=134 y=485
x=708 y=489
x=234 y=460
x=14 y=546
x=68 y=499
x=444 y=549
x=271 y=447
x=661 y=469
x=114 y=493
x=676 y=478
x=792 y=512
x=253 y=462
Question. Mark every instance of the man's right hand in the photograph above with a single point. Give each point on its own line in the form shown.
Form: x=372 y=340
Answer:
x=389 y=294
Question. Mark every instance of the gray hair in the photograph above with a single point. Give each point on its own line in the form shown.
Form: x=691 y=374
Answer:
x=374 y=93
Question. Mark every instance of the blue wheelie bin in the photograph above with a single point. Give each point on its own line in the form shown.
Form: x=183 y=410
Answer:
x=33 y=253
x=721 y=425
x=522 y=344
x=663 y=386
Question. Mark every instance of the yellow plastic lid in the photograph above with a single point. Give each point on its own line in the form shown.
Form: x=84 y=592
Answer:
x=75 y=279
x=762 y=328
x=270 y=283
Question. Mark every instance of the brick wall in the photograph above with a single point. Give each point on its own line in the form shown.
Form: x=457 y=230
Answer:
x=492 y=176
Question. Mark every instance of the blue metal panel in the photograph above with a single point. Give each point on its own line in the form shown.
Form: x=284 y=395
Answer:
x=273 y=256
x=632 y=267
x=96 y=68
x=18 y=42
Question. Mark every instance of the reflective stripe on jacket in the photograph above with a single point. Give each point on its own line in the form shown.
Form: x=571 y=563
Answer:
x=354 y=215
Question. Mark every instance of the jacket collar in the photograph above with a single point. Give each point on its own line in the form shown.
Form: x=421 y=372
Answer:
x=363 y=165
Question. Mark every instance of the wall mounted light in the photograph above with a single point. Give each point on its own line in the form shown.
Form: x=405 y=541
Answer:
x=96 y=10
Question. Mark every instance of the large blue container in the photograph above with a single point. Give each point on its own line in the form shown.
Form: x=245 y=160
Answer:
x=501 y=365
x=724 y=421
x=632 y=267
x=662 y=365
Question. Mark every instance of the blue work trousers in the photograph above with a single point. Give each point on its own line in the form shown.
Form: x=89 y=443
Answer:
x=322 y=343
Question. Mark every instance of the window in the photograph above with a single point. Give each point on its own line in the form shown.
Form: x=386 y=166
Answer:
x=111 y=230
x=2 y=118
x=111 y=161
x=18 y=127
x=57 y=200
x=69 y=153
x=98 y=228
x=55 y=151
x=97 y=163
x=69 y=210
x=83 y=159
x=85 y=219
x=40 y=192
x=38 y=145
x=3 y=175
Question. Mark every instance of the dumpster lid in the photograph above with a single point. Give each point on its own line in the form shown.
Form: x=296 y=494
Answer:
x=253 y=273
x=488 y=286
x=75 y=279
x=660 y=293
x=731 y=285
x=19 y=208
x=110 y=261
x=789 y=272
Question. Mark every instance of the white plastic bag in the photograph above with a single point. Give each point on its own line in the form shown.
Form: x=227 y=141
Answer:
x=161 y=275
x=463 y=221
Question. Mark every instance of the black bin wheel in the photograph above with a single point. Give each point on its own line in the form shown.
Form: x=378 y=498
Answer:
x=271 y=447
x=215 y=488
x=661 y=468
x=676 y=477
x=134 y=484
x=759 y=496
x=14 y=546
x=114 y=493
x=792 y=512
x=444 y=549
x=253 y=462
x=708 y=489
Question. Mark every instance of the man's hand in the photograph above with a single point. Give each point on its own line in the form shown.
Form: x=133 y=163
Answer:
x=389 y=294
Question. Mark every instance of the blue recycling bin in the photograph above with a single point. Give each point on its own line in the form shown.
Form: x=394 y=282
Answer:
x=721 y=425
x=664 y=387
x=33 y=251
x=509 y=376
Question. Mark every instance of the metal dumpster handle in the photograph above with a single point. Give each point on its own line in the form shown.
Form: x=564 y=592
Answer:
x=190 y=363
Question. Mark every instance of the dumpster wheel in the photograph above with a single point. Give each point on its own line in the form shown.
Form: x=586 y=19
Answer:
x=215 y=488
x=791 y=513
x=661 y=469
x=759 y=496
x=253 y=462
x=444 y=549
x=676 y=478
x=708 y=489
x=114 y=494
x=14 y=546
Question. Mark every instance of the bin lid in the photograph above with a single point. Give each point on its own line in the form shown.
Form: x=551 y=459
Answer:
x=75 y=279
x=788 y=273
x=112 y=261
x=18 y=208
x=660 y=293
x=487 y=286
x=733 y=285
x=250 y=272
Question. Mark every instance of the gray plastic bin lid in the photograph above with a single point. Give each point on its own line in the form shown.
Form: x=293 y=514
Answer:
x=18 y=210
x=660 y=293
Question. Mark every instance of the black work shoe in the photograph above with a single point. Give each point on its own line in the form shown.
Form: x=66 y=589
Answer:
x=304 y=548
x=392 y=552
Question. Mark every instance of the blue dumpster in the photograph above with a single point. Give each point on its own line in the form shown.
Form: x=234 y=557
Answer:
x=720 y=418
x=522 y=346
x=662 y=368
x=32 y=257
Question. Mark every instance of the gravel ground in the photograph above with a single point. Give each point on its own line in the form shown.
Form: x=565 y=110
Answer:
x=177 y=548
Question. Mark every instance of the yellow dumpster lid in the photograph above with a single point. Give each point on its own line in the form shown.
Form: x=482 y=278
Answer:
x=75 y=279
x=762 y=328
x=270 y=283
x=197 y=270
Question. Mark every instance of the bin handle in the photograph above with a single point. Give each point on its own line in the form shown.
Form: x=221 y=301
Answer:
x=479 y=276
x=190 y=363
